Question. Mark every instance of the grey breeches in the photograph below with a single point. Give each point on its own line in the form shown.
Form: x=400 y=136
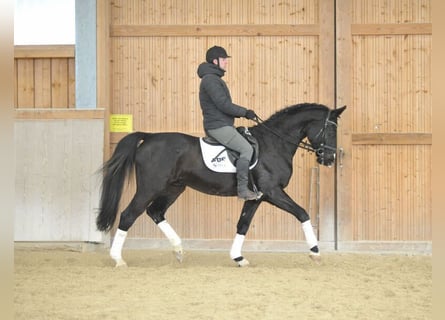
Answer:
x=232 y=139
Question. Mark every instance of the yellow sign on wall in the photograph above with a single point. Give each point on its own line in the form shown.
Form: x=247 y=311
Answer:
x=121 y=123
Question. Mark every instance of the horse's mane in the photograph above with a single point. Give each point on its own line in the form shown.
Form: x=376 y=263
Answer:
x=295 y=109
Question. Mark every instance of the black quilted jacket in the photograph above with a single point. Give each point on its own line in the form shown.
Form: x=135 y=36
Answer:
x=218 y=110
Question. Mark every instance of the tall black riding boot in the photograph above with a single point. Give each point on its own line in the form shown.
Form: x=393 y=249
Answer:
x=242 y=175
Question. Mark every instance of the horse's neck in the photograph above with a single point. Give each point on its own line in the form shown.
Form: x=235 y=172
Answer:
x=286 y=136
x=292 y=130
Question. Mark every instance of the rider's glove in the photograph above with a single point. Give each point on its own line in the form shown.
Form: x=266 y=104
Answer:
x=250 y=114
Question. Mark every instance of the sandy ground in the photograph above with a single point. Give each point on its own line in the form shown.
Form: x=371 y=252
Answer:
x=63 y=284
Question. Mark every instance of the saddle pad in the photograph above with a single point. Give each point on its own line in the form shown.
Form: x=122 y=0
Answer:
x=216 y=158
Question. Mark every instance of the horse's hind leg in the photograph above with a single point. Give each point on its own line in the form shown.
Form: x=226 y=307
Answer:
x=128 y=217
x=156 y=211
x=242 y=227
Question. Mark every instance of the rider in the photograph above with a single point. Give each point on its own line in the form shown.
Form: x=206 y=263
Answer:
x=219 y=113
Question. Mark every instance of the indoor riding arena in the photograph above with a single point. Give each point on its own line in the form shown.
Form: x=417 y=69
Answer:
x=132 y=66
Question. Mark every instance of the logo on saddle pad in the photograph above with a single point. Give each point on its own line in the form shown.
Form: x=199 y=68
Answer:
x=220 y=159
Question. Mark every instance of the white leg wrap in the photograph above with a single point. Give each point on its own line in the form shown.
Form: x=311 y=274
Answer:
x=235 y=252
x=171 y=235
x=118 y=243
x=311 y=239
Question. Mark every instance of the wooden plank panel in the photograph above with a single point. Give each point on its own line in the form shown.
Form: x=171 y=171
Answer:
x=392 y=28
x=390 y=157
x=25 y=83
x=206 y=12
x=59 y=83
x=392 y=193
x=394 y=11
x=392 y=88
x=71 y=83
x=42 y=79
x=392 y=138
x=42 y=69
x=49 y=114
x=212 y=30
x=44 y=51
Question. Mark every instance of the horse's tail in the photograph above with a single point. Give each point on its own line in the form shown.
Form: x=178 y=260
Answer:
x=115 y=172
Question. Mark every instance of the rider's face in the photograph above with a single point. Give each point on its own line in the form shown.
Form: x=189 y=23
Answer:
x=223 y=62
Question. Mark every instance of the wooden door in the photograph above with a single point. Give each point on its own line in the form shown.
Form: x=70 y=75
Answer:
x=384 y=171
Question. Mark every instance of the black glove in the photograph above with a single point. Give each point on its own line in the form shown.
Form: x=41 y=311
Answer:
x=250 y=114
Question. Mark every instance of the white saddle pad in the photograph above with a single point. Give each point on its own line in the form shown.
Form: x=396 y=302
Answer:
x=216 y=158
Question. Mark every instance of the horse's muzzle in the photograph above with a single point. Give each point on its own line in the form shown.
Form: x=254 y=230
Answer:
x=326 y=159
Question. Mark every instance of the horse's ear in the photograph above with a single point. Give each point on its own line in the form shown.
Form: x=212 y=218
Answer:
x=339 y=111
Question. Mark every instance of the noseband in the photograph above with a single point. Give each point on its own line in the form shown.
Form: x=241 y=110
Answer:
x=320 y=151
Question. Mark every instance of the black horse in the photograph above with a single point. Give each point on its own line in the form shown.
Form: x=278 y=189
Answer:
x=167 y=163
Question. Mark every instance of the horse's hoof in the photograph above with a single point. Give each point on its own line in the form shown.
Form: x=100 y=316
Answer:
x=242 y=262
x=179 y=254
x=315 y=257
x=120 y=263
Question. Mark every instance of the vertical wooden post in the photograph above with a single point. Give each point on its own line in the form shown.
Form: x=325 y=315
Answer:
x=327 y=96
x=344 y=141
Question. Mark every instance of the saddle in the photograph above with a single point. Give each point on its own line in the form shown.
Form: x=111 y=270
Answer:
x=219 y=158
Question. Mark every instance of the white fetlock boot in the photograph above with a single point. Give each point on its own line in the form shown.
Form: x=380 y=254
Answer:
x=116 y=248
x=235 y=251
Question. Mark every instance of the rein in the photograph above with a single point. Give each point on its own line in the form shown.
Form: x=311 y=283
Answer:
x=303 y=144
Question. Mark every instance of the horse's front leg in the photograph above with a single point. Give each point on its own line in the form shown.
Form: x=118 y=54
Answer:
x=282 y=200
x=244 y=221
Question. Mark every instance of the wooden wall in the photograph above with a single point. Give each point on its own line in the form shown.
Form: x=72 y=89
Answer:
x=384 y=75
x=279 y=58
x=44 y=77
x=58 y=149
x=377 y=63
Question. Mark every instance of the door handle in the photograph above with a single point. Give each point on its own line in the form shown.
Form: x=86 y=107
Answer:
x=341 y=154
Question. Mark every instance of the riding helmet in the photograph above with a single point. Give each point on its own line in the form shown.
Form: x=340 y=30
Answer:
x=216 y=52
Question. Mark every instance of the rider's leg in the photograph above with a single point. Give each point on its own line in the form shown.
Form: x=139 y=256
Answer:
x=232 y=139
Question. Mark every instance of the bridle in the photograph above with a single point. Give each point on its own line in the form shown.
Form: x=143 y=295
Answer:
x=320 y=151
x=323 y=146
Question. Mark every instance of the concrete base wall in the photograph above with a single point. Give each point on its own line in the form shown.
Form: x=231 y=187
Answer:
x=57 y=189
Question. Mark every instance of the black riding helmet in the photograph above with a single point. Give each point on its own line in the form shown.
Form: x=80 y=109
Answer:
x=216 y=52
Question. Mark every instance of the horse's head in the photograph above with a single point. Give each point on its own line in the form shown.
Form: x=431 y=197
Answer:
x=323 y=137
